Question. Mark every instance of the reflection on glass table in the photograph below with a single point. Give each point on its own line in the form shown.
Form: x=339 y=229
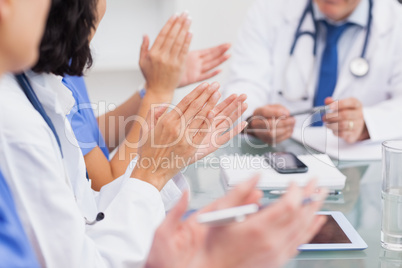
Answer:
x=360 y=201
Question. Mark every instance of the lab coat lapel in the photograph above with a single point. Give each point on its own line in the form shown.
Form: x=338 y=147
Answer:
x=381 y=26
x=303 y=55
x=57 y=100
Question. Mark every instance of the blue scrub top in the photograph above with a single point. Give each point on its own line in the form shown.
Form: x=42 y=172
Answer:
x=15 y=249
x=82 y=117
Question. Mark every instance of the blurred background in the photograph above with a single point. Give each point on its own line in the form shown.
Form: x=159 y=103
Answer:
x=116 y=74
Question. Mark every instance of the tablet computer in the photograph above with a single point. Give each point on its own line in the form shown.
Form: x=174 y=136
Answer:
x=336 y=234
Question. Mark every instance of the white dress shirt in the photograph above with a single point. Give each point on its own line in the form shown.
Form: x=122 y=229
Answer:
x=52 y=194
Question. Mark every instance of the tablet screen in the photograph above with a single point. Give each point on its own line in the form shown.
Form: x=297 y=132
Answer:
x=331 y=233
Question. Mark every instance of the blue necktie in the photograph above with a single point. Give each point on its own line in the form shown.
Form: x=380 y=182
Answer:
x=329 y=66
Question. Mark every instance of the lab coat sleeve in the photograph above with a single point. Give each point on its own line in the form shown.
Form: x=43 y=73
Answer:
x=49 y=212
x=55 y=224
x=171 y=192
x=252 y=68
x=125 y=236
x=383 y=120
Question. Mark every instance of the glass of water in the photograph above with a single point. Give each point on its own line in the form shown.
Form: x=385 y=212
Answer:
x=391 y=231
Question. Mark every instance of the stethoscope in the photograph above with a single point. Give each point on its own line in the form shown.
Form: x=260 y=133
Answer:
x=359 y=67
x=33 y=99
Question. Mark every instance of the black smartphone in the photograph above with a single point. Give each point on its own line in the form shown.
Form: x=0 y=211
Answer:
x=285 y=163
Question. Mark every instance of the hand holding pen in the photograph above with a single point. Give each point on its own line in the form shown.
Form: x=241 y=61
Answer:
x=265 y=239
x=239 y=214
x=269 y=237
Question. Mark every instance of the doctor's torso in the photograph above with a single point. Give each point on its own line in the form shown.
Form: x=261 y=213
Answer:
x=273 y=78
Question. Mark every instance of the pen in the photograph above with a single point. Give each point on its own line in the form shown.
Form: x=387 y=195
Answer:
x=309 y=111
x=239 y=214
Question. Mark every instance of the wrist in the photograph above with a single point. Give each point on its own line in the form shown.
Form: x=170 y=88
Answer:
x=157 y=97
x=156 y=178
x=159 y=92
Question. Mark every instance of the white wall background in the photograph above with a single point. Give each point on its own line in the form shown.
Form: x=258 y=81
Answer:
x=116 y=75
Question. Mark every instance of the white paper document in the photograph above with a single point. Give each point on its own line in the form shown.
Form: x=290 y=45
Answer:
x=236 y=169
x=323 y=140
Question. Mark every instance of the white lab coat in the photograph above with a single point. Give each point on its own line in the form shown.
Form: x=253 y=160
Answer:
x=262 y=50
x=53 y=196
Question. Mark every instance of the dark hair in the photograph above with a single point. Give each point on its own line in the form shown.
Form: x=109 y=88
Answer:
x=65 y=46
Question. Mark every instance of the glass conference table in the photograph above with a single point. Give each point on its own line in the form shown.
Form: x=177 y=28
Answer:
x=360 y=201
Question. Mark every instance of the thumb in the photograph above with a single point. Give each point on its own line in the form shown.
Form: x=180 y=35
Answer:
x=153 y=116
x=159 y=111
x=144 y=47
x=329 y=100
x=243 y=194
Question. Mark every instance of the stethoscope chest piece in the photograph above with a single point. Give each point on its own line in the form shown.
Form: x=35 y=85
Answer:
x=359 y=67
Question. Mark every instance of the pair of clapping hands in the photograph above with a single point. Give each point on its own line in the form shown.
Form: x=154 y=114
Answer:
x=197 y=126
x=273 y=123
x=168 y=64
x=266 y=239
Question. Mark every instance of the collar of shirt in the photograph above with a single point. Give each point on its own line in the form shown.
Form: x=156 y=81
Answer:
x=358 y=17
x=52 y=92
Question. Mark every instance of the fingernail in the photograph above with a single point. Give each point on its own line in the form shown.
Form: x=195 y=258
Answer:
x=189 y=20
x=175 y=15
x=190 y=34
x=204 y=85
x=185 y=14
x=215 y=86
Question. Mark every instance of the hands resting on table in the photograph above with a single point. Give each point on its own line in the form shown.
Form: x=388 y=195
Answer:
x=274 y=124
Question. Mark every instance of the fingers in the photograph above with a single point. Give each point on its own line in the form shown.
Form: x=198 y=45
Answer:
x=185 y=47
x=174 y=216
x=198 y=103
x=144 y=47
x=272 y=111
x=272 y=137
x=258 y=122
x=203 y=119
x=209 y=65
x=220 y=123
x=272 y=124
x=229 y=111
x=153 y=117
x=183 y=39
x=209 y=75
x=229 y=121
x=303 y=236
x=160 y=39
x=243 y=194
x=342 y=116
x=329 y=100
x=350 y=103
x=225 y=103
x=223 y=139
x=272 y=131
x=214 y=52
x=176 y=36
x=286 y=205
x=187 y=100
